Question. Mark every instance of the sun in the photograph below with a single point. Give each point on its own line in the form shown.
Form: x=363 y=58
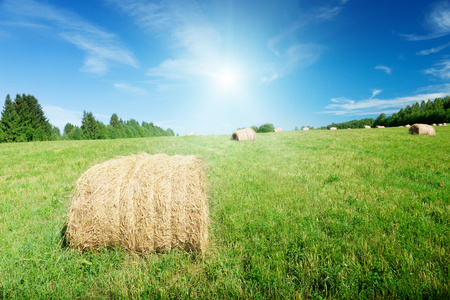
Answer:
x=227 y=79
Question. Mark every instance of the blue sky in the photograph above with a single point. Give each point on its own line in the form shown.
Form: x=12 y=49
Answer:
x=214 y=66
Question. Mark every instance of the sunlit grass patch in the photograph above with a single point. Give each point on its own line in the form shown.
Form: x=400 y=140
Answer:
x=345 y=214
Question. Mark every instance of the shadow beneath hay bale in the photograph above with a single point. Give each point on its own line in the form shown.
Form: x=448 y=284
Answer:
x=63 y=242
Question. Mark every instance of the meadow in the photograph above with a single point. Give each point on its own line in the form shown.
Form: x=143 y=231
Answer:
x=351 y=214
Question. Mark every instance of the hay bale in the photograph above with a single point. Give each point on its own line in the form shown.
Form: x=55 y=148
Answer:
x=349 y=128
x=440 y=124
x=445 y=124
x=366 y=126
x=305 y=128
x=407 y=125
x=143 y=203
x=247 y=134
x=422 y=129
x=434 y=124
x=333 y=128
x=190 y=133
x=279 y=129
x=379 y=126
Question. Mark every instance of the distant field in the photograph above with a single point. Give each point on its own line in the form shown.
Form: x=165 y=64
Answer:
x=318 y=214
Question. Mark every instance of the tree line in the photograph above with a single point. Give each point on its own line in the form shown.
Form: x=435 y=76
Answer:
x=429 y=112
x=117 y=128
x=23 y=120
x=267 y=127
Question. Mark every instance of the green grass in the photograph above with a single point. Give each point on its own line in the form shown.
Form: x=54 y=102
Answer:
x=319 y=214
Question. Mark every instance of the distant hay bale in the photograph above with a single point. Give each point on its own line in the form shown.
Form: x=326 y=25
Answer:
x=422 y=129
x=279 y=129
x=190 y=133
x=349 y=128
x=305 y=128
x=407 y=125
x=445 y=124
x=440 y=124
x=366 y=126
x=379 y=126
x=247 y=134
x=143 y=203
x=333 y=128
x=434 y=124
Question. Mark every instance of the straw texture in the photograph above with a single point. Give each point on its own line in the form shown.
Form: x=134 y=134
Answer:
x=247 y=134
x=279 y=129
x=143 y=203
x=422 y=129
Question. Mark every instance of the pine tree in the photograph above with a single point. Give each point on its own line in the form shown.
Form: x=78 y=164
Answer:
x=8 y=122
x=68 y=129
x=89 y=126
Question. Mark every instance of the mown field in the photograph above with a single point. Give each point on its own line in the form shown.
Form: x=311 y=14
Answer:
x=320 y=214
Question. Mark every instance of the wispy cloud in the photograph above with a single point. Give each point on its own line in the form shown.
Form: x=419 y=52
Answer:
x=194 y=42
x=433 y=50
x=441 y=70
x=384 y=68
x=437 y=22
x=101 y=47
x=59 y=117
x=269 y=78
x=295 y=55
x=129 y=89
x=371 y=106
x=375 y=92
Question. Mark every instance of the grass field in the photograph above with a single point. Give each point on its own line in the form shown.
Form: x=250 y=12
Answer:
x=319 y=214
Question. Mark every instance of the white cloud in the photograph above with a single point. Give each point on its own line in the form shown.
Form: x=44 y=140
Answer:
x=129 y=89
x=384 y=68
x=375 y=92
x=344 y=106
x=269 y=79
x=195 y=44
x=305 y=54
x=101 y=47
x=441 y=70
x=433 y=50
x=59 y=117
x=437 y=22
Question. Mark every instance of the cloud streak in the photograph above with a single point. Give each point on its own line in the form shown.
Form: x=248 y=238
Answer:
x=101 y=47
x=123 y=87
x=441 y=70
x=349 y=107
x=194 y=43
x=385 y=69
x=433 y=50
x=437 y=21
x=298 y=55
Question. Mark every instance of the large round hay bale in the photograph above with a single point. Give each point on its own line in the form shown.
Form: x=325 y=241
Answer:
x=422 y=129
x=143 y=203
x=366 y=126
x=279 y=129
x=333 y=128
x=305 y=128
x=190 y=133
x=247 y=134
